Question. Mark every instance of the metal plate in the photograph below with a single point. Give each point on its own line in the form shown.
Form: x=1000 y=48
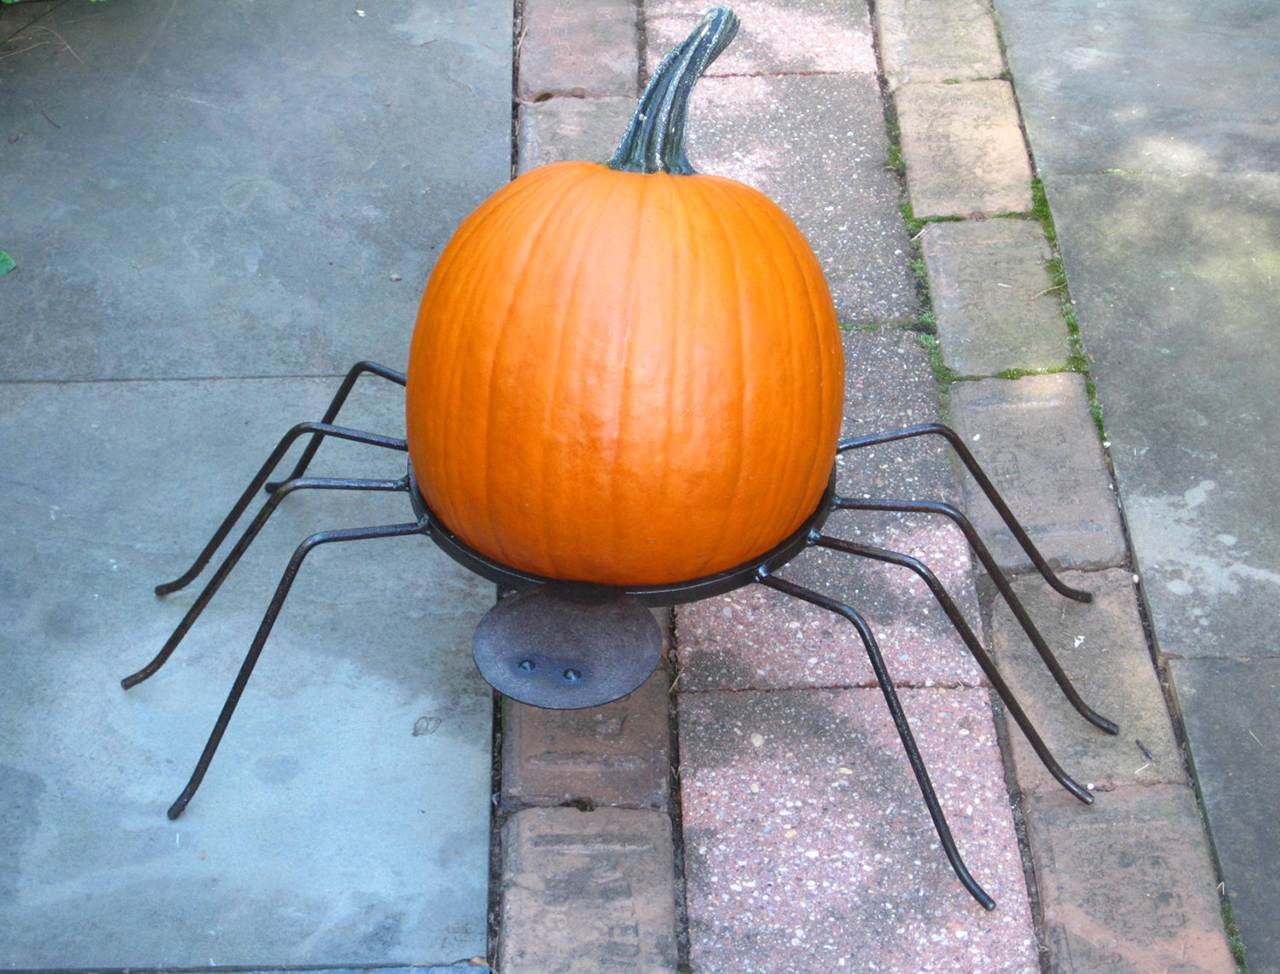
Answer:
x=565 y=646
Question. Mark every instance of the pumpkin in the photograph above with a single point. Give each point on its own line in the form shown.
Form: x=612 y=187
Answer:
x=627 y=373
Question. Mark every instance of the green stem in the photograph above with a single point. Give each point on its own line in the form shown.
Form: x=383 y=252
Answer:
x=655 y=138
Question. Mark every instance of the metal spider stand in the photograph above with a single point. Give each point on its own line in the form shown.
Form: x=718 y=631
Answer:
x=568 y=645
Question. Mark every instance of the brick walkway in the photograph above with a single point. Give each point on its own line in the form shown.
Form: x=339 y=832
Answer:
x=800 y=835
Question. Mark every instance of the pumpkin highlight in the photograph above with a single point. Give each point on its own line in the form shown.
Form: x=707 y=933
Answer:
x=626 y=377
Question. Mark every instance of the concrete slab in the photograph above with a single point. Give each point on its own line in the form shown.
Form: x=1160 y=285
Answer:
x=993 y=296
x=1174 y=280
x=1103 y=649
x=807 y=846
x=1126 y=885
x=1178 y=87
x=228 y=189
x=795 y=138
x=345 y=819
x=1036 y=440
x=1228 y=708
x=964 y=149
x=572 y=128
x=616 y=755
x=928 y=40
x=775 y=37
x=578 y=48
x=588 y=891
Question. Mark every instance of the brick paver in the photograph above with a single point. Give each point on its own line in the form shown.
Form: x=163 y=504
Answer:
x=577 y=47
x=993 y=298
x=937 y=40
x=964 y=149
x=1036 y=439
x=1103 y=648
x=618 y=754
x=584 y=892
x=808 y=848
x=1127 y=885
x=572 y=128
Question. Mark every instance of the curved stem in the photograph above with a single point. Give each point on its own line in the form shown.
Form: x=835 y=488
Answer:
x=655 y=138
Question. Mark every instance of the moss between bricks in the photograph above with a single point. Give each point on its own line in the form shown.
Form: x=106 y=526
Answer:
x=926 y=324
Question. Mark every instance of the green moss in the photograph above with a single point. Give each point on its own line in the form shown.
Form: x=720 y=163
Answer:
x=943 y=373
x=1020 y=373
x=896 y=163
x=914 y=226
x=1233 y=933
x=1040 y=212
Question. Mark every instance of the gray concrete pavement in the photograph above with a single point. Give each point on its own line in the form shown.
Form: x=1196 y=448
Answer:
x=214 y=209
x=1154 y=129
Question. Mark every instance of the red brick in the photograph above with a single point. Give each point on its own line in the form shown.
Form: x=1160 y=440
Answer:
x=1103 y=648
x=586 y=892
x=759 y=638
x=1036 y=439
x=618 y=754
x=1127 y=884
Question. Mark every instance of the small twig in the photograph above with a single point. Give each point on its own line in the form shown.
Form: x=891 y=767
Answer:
x=1143 y=748
x=49 y=120
x=22 y=51
x=1255 y=737
x=1056 y=287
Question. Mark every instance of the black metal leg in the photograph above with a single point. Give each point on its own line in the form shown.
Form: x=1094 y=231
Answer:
x=331 y=414
x=264 y=630
x=975 y=647
x=302 y=429
x=1002 y=585
x=988 y=488
x=900 y=722
x=241 y=546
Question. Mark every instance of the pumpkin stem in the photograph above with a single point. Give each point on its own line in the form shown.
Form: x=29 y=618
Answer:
x=655 y=138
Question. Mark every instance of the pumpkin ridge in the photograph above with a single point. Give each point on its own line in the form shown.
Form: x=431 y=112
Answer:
x=783 y=235
x=711 y=218
x=470 y=295
x=627 y=391
x=551 y=222
x=818 y=296
x=730 y=195
x=469 y=287
x=593 y=222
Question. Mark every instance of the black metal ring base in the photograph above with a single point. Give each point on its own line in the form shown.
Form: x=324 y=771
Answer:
x=674 y=593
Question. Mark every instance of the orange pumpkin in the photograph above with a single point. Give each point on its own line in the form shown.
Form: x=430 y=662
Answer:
x=627 y=373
